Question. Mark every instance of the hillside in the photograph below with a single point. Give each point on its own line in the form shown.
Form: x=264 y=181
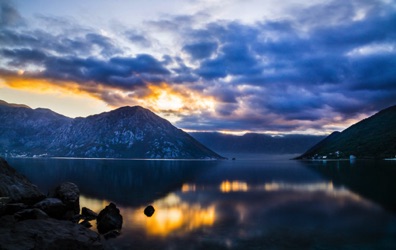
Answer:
x=373 y=137
x=127 y=132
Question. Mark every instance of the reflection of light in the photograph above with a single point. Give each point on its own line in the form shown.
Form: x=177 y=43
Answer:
x=93 y=204
x=172 y=215
x=274 y=186
x=188 y=188
x=182 y=218
x=327 y=187
x=235 y=186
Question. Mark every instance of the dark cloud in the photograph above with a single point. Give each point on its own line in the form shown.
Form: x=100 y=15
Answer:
x=23 y=57
x=331 y=62
x=9 y=15
x=123 y=72
x=200 y=50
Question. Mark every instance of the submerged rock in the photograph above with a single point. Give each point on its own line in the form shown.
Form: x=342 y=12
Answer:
x=69 y=194
x=149 y=211
x=16 y=186
x=109 y=219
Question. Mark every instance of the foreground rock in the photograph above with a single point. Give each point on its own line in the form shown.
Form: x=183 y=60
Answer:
x=69 y=194
x=109 y=219
x=46 y=234
x=149 y=211
x=53 y=207
x=16 y=186
x=29 y=220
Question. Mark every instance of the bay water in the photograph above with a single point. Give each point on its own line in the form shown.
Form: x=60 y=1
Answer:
x=253 y=202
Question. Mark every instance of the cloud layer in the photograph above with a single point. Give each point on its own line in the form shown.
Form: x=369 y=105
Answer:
x=319 y=69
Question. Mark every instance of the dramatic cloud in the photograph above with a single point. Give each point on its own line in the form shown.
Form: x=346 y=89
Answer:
x=317 y=68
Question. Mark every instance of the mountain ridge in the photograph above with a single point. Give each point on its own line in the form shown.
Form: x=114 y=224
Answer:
x=372 y=137
x=256 y=143
x=126 y=132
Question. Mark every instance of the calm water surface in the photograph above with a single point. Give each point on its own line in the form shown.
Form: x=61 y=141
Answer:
x=251 y=203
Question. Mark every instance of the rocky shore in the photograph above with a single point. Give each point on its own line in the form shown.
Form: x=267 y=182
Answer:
x=32 y=220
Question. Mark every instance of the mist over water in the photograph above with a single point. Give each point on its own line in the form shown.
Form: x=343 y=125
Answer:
x=253 y=202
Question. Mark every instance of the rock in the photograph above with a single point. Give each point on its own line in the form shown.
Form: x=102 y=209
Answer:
x=53 y=207
x=149 y=211
x=111 y=234
x=76 y=218
x=69 y=194
x=46 y=234
x=30 y=214
x=88 y=214
x=16 y=186
x=86 y=224
x=109 y=219
x=3 y=204
x=12 y=208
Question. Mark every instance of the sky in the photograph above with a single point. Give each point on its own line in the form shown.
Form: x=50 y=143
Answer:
x=234 y=66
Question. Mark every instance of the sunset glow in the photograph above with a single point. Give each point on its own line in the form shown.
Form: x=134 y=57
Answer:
x=270 y=69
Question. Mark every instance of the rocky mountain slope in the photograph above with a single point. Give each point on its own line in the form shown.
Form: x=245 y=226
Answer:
x=373 y=137
x=127 y=132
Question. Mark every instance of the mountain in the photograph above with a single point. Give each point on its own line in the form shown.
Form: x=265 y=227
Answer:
x=257 y=143
x=127 y=132
x=373 y=137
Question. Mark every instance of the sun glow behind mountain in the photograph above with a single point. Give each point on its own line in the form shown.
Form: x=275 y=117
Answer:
x=270 y=68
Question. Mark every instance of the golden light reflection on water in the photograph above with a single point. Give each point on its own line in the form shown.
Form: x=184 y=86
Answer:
x=240 y=186
x=235 y=186
x=95 y=205
x=172 y=216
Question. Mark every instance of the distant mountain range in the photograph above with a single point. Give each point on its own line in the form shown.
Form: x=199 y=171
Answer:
x=127 y=132
x=373 y=137
x=257 y=143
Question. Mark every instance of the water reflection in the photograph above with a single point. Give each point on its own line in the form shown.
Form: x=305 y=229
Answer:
x=234 y=204
x=234 y=186
x=371 y=179
x=128 y=182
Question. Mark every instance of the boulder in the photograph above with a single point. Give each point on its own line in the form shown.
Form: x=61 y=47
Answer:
x=111 y=234
x=46 y=234
x=69 y=194
x=109 y=219
x=53 y=207
x=88 y=214
x=86 y=224
x=149 y=211
x=30 y=214
x=12 y=208
x=16 y=186
x=3 y=204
